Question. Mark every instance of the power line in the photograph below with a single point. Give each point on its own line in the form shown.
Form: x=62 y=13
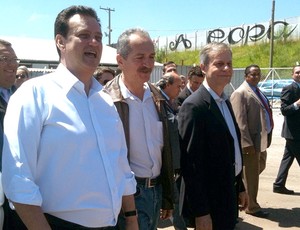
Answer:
x=109 y=27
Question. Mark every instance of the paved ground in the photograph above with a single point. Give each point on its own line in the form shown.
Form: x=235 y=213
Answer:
x=284 y=209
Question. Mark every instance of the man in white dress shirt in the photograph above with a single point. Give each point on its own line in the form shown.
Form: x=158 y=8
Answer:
x=64 y=148
x=142 y=109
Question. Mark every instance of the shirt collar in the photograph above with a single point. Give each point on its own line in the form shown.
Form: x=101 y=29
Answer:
x=4 y=90
x=164 y=94
x=67 y=81
x=297 y=83
x=215 y=96
x=252 y=87
x=127 y=94
x=189 y=87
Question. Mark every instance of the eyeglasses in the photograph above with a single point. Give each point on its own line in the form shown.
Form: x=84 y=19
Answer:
x=7 y=60
x=19 y=76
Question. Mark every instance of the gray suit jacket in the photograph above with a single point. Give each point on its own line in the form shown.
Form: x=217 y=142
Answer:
x=251 y=117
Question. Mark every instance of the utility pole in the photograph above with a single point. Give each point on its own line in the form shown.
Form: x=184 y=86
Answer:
x=272 y=36
x=109 y=27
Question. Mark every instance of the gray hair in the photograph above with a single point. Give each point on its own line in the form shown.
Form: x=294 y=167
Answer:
x=123 y=47
x=4 y=43
x=217 y=47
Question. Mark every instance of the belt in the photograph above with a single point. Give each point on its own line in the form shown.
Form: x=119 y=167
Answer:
x=148 y=182
x=59 y=224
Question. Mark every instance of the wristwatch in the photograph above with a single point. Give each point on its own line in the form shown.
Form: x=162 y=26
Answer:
x=130 y=213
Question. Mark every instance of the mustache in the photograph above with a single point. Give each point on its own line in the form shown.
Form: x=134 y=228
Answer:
x=145 y=70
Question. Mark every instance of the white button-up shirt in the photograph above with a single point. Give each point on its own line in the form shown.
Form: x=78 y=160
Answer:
x=146 y=133
x=66 y=151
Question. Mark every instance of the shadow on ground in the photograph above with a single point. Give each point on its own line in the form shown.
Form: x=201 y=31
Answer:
x=286 y=218
x=246 y=226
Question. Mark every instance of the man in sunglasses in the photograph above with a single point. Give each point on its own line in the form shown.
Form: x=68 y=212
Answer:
x=21 y=76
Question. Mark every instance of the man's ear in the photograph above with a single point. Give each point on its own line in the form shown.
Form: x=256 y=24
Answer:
x=60 y=41
x=203 y=68
x=119 y=60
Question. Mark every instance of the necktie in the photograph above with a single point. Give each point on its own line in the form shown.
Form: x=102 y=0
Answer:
x=267 y=107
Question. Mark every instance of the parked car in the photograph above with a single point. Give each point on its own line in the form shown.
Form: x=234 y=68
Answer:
x=272 y=88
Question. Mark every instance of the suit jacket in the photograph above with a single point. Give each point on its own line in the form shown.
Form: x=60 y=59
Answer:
x=208 y=161
x=182 y=96
x=291 y=124
x=3 y=106
x=173 y=134
x=251 y=117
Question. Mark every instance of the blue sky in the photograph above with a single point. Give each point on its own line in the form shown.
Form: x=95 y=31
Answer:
x=35 y=18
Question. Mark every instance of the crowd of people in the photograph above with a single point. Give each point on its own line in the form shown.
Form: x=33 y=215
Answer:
x=90 y=148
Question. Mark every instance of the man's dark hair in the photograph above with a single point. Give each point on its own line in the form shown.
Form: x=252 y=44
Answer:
x=247 y=69
x=166 y=64
x=61 y=25
x=103 y=69
x=196 y=70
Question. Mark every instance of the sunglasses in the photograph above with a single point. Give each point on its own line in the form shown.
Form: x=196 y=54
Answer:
x=19 y=76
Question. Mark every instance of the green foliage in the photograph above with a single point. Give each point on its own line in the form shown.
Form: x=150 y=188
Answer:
x=286 y=53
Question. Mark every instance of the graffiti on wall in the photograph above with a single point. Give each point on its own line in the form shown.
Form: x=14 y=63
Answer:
x=237 y=35
x=186 y=43
x=252 y=33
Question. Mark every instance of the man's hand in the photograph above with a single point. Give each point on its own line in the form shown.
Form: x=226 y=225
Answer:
x=243 y=200
x=165 y=214
x=203 y=223
x=298 y=102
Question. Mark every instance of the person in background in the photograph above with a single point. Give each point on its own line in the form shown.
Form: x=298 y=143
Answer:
x=211 y=159
x=170 y=84
x=104 y=75
x=183 y=82
x=169 y=67
x=68 y=174
x=195 y=79
x=8 y=68
x=254 y=117
x=290 y=103
x=21 y=76
x=142 y=109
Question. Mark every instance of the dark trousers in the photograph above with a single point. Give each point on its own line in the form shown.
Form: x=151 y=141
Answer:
x=60 y=224
x=13 y=222
x=291 y=151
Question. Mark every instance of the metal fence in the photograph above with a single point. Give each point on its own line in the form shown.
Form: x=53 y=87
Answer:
x=237 y=78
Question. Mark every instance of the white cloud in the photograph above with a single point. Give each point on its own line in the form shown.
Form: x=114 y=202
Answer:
x=36 y=17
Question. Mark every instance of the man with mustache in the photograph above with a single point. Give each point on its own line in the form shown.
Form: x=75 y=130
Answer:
x=142 y=109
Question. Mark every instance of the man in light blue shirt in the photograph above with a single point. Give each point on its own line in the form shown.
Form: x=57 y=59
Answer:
x=65 y=156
